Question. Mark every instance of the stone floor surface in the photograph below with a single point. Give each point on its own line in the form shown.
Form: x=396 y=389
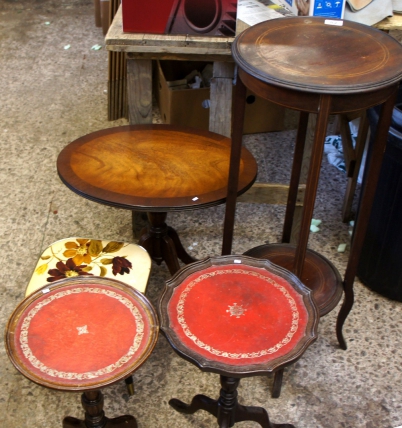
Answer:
x=51 y=95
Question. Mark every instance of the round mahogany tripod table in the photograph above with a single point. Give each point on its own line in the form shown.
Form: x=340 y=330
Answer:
x=325 y=67
x=236 y=316
x=82 y=335
x=156 y=169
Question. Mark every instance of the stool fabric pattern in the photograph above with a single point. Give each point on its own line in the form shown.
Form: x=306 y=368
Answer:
x=71 y=257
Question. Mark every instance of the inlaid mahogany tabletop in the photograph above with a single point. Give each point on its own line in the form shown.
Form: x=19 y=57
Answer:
x=156 y=169
x=236 y=316
x=325 y=67
x=82 y=334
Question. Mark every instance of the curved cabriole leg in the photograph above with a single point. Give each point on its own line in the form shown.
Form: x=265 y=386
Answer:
x=343 y=313
x=257 y=414
x=92 y=402
x=372 y=173
x=163 y=243
x=169 y=254
x=199 y=402
x=181 y=252
x=226 y=409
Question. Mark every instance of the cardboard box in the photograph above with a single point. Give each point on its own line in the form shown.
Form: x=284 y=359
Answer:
x=190 y=107
x=326 y=8
x=202 y=17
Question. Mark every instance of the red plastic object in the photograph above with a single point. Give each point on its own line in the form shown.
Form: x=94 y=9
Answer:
x=203 y=17
x=146 y=16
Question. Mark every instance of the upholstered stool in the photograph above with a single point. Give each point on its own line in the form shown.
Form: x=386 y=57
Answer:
x=236 y=316
x=82 y=334
x=75 y=256
x=154 y=169
x=321 y=66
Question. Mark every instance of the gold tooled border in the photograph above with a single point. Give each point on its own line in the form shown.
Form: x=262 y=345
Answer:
x=237 y=356
x=23 y=337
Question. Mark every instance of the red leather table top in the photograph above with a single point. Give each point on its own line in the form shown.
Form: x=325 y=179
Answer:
x=80 y=334
x=238 y=315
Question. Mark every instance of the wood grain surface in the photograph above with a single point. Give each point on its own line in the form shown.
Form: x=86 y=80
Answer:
x=152 y=167
x=308 y=54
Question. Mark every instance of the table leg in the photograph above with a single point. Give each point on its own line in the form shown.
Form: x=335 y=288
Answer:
x=226 y=409
x=276 y=389
x=234 y=166
x=371 y=175
x=129 y=381
x=163 y=243
x=92 y=402
x=312 y=183
x=295 y=178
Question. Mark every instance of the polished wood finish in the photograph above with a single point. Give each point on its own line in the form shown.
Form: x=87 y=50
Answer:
x=310 y=65
x=92 y=402
x=309 y=55
x=226 y=409
x=156 y=169
x=163 y=242
x=318 y=273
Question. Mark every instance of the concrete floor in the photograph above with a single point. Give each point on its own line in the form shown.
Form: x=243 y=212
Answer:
x=50 y=96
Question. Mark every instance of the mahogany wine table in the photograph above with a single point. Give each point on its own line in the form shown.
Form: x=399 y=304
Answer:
x=81 y=334
x=325 y=67
x=236 y=316
x=156 y=169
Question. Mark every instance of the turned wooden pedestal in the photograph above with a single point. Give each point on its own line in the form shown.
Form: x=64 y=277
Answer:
x=82 y=334
x=236 y=316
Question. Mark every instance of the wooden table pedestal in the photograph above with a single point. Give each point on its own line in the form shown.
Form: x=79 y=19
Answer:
x=236 y=316
x=82 y=334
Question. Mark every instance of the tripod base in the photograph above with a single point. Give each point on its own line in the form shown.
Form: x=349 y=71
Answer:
x=163 y=243
x=126 y=421
x=226 y=409
x=92 y=402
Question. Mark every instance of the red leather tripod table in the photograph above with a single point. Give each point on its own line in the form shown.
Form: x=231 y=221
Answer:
x=236 y=316
x=82 y=335
x=320 y=66
x=156 y=169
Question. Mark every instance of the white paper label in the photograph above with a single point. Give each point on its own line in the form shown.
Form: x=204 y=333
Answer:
x=333 y=22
